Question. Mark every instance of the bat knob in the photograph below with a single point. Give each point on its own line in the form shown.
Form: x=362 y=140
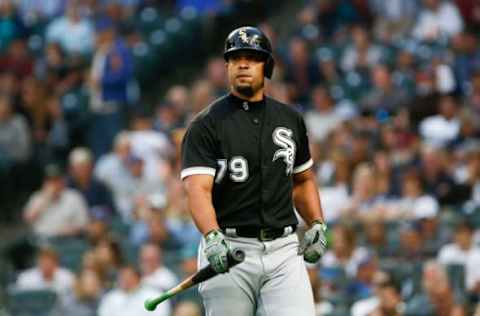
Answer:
x=150 y=305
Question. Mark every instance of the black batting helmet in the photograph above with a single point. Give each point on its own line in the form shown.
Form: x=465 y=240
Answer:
x=250 y=38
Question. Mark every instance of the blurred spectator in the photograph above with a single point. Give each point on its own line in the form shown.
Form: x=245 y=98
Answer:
x=34 y=12
x=96 y=231
x=414 y=203
x=466 y=58
x=55 y=210
x=362 y=53
x=81 y=178
x=444 y=127
x=384 y=95
x=74 y=33
x=437 y=297
x=390 y=301
x=129 y=297
x=473 y=97
x=217 y=77
x=207 y=7
x=108 y=256
x=436 y=178
x=52 y=139
x=202 y=94
x=139 y=191
x=47 y=274
x=112 y=169
x=362 y=285
x=15 y=146
x=331 y=16
x=52 y=68
x=463 y=252
x=366 y=306
x=151 y=146
x=393 y=19
x=335 y=174
x=110 y=75
x=127 y=178
x=167 y=118
x=387 y=174
x=187 y=308
x=85 y=297
x=473 y=179
x=11 y=26
x=178 y=97
x=300 y=72
x=154 y=273
x=17 y=59
x=178 y=219
x=437 y=19
x=323 y=117
x=322 y=307
x=32 y=103
x=377 y=239
x=364 y=196
x=411 y=250
x=344 y=253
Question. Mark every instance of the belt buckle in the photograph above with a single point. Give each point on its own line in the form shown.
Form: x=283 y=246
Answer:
x=266 y=235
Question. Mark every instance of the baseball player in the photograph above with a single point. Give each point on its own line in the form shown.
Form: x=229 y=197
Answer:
x=245 y=164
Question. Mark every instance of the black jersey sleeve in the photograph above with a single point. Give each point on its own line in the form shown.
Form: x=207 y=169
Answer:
x=303 y=160
x=198 y=150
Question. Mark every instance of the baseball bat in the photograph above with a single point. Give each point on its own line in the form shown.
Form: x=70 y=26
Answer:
x=235 y=257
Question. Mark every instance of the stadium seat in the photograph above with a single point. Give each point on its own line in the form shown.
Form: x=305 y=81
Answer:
x=456 y=276
x=70 y=251
x=31 y=302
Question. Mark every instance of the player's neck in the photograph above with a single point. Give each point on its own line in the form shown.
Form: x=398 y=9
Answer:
x=258 y=96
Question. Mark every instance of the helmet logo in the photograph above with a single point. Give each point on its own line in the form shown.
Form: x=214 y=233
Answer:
x=253 y=41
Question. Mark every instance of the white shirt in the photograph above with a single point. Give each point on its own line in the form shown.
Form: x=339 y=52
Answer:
x=333 y=200
x=424 y=206
x=32 y=279
x=437 y=130
x=162 y=279
x=120 y=303
x=319 y=124
x=74 y=37
x=446 y=20
x=330 y=260
x=153 y=147
x=453 y=254
x=365 y=307
x=70 y=208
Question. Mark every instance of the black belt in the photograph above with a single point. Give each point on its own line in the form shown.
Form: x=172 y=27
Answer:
x=261 y=233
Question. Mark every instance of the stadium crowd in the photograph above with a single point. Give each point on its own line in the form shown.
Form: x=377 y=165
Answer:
x=390 y=92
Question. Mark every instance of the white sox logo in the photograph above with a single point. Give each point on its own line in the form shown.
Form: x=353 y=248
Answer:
x=254 y=40
x=283 y=137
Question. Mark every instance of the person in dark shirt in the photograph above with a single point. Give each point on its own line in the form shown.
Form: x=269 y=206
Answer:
x=245 y=165
x=95 y=192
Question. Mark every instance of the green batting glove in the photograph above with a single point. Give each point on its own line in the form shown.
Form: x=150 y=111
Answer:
x=314 y=243
x=216 y=251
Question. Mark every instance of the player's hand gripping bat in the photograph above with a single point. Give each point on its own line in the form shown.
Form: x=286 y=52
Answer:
x=235 y=257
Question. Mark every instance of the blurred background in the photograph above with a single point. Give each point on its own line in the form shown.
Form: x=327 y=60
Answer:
x=95 y=96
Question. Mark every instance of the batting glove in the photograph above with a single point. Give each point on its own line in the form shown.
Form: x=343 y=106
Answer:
x=216 y=251
x=314 y=243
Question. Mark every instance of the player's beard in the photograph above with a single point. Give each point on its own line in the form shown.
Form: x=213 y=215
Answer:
x=250 y=89
x=246 y=91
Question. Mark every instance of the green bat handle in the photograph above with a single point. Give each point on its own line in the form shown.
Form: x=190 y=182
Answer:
x=151 y=304
x=235 y=257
